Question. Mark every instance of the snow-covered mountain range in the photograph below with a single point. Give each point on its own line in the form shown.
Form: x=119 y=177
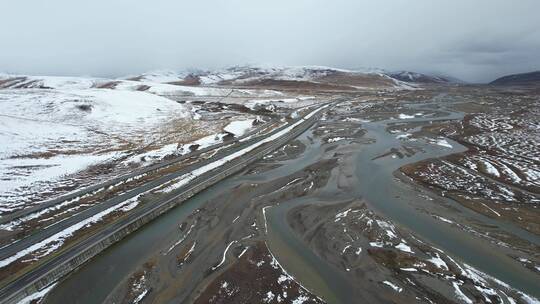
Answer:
x=414 y=77
x=303 y=77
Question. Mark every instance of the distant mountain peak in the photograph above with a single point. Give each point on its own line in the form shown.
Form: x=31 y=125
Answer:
x=408 y=76
x=518 y=79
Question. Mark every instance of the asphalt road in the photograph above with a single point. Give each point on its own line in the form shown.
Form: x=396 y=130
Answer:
x=47 y=265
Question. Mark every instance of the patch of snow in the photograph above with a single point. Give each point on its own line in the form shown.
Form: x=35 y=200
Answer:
x=243 y=251
x=404 y=247
x=141 y=296
x=269 y=297
x=44 y=169
x=393 y=286
x=354 y=119
x=55 y=241
x=133 y=203
x=152 y=155
x=264 y=217
x=341 y=215
x=437 y=261
x=204 y=142
x=181 y=239
x=404 y=136
x=334 y=139
x=409 y=269
x=389 y=228
x=460 y=295
x=405 y=116
x=161 y=76
x=345 y=249
x=224 y=256
x=190 y=251
x=442 y=142
x=491 y=209
x=300 y=300
x=37 y=296
x=10 y=226
x=283 y=278
x=490 y=169
x=239 y=128
x=443 y=219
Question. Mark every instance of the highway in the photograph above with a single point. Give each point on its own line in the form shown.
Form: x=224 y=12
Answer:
x=56 y=263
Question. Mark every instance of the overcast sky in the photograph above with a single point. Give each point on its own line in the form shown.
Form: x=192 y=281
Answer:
x=476 y=40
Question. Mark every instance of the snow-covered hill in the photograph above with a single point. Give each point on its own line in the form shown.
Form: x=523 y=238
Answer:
x=55 y=127
x=191 y=82
x=159 y=76
x=414 y=77
x=299 y=77
x=244 y=74
x=46 y=134
x=67 y=83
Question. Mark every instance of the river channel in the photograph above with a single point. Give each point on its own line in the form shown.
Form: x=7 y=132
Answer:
x=376 y=185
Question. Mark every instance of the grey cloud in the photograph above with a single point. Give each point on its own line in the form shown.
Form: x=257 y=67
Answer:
x=474 y=40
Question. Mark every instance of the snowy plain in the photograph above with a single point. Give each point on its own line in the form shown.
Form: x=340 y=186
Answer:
x=54 y=127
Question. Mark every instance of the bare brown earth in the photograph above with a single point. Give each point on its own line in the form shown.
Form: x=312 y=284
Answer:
x=106 y=85
x=299 y=85
x=358 y=80
x=255 y=278
x=20 y=83
x=329 y=80
x=189 y=80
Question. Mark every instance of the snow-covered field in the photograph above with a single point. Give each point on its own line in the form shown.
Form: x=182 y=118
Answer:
x=155 y=84
x=52 y=128
x=240 y=127
x=46 y=134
